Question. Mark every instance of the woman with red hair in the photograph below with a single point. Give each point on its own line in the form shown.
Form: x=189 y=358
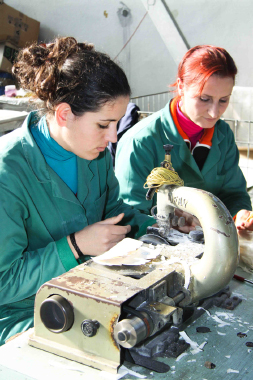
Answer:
x=204 y=154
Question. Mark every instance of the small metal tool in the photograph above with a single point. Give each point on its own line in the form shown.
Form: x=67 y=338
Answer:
x=242 y=279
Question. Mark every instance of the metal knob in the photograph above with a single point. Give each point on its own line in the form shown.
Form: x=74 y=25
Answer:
x=89 y=327
x=168 y=148
x=129 y=332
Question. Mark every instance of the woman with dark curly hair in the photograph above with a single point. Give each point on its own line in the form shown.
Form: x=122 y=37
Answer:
x=58 y=193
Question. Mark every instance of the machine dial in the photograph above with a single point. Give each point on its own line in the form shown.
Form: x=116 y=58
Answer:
x=57 y=314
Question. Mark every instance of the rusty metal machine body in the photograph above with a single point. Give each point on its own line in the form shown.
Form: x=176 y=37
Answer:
x=89 y=313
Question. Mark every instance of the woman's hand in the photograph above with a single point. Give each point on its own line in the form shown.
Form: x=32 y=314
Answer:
x=97 y=238
x=244 y=220
x=190 y=221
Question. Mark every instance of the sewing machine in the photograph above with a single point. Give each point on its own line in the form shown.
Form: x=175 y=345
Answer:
x=100 y=315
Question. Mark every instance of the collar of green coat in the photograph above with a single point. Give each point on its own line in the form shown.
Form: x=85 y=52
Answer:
x=170 y=135
x=31 y=150
x=44 y=173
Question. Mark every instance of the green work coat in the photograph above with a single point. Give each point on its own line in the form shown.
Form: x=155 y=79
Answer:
x=141 y=149
x=37 y=212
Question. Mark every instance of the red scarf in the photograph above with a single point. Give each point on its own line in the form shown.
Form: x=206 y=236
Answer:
x=207 y=136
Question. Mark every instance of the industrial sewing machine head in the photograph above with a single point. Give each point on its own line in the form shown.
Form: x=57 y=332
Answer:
x=220 y=254
x=99 y=314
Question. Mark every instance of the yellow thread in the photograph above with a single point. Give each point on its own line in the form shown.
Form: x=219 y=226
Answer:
x=163 y=176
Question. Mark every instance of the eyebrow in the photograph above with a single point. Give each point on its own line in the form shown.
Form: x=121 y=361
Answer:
x=210 y=96
x=108 y=120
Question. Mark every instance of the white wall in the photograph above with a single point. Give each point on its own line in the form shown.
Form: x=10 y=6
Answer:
x=147 y=60
x=241 y=104
x=225 y=23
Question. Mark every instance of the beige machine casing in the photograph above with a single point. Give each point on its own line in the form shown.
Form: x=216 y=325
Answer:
x=95 y=294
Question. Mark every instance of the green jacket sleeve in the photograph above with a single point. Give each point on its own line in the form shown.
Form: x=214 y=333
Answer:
x=115 y=205
x=134 y=162
x=22 y=270
x=233 y=192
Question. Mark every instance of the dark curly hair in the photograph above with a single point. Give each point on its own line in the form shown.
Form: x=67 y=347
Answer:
x=70 y=72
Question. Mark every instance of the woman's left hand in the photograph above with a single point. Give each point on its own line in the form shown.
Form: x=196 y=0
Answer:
x=244 y=220
x=190 y=221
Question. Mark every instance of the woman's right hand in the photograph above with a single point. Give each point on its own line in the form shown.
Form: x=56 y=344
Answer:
x=99 y=237
x=244 y=220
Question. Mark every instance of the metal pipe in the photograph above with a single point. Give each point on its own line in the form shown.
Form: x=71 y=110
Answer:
x=221 y=254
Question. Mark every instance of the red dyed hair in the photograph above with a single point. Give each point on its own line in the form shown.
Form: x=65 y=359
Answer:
x=203 y=61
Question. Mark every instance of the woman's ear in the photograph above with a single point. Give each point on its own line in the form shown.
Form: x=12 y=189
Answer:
x=63 y=114
x=180 y=87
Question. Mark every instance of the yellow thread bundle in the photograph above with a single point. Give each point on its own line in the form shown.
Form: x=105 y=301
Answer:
x=162 y=176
